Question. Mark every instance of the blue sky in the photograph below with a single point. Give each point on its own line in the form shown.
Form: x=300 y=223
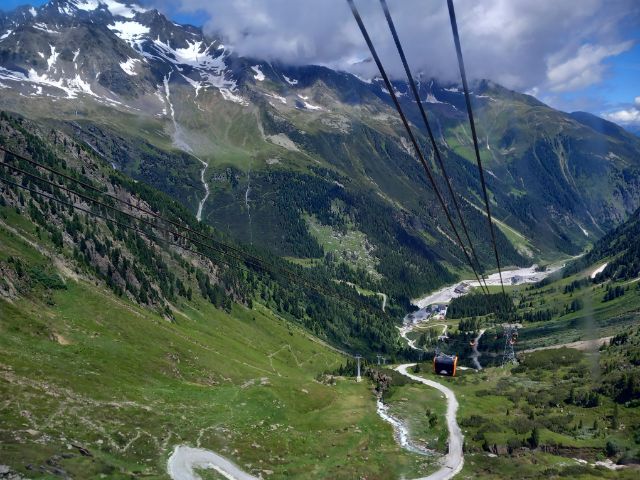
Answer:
x=571 y=54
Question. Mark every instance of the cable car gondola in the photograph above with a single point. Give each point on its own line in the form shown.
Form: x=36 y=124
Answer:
x=444 y=364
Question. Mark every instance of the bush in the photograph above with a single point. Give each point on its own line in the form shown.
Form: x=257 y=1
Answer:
x=49 y=280
x=534 y=439
x=513 y=444
x=611 y=448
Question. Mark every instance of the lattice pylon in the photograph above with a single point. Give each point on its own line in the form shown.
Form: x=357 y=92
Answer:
x=510 y=335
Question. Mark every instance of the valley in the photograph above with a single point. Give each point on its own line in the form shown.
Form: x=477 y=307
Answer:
x=201 y=253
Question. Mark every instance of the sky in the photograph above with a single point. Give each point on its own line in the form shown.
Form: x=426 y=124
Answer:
x=571 y=54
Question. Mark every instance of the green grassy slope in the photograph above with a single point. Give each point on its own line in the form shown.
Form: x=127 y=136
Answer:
x=562 y=395
x=116 y=346
x=82 y=367
x=85 y=370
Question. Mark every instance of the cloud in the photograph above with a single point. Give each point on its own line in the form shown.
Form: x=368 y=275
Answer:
x=555 y=45
x=629 y=115
x=583 y=69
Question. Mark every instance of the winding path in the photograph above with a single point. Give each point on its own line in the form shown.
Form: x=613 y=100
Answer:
x=454 y=460
x=184 y=459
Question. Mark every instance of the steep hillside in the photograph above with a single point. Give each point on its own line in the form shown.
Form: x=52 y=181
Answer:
x=120 y=340
x=233 y=139
x=621 y=247
x=94 y=384
x=83 y=212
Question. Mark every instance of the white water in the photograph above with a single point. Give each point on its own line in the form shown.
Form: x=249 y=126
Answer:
x=400 y=431
x=476 y=354
x=206 y=189
x=181 y=143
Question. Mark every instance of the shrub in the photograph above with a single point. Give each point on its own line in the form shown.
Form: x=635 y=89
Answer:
x=611 y=448
x=49 y=280
x=534 y=439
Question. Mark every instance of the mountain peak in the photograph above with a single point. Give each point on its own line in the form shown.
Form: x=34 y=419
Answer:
x=117 y=8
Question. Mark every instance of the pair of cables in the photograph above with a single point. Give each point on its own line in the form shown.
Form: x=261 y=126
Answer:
x=412 y=84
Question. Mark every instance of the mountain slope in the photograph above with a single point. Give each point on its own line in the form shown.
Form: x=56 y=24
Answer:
x=621 y=247
x=177 y=109
x=118 y=344
x=148 y=261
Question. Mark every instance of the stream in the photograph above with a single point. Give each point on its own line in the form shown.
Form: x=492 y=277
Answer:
x=180 y=142
x=400 y=430
x=184 y=459
x=206 y=190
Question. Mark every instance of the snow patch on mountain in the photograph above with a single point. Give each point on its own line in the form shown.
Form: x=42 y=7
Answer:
x=44 y=28
x=395 y=90
x=277 y=97
x=368 y=81
x=86 y=5
x=259 y=76
x=290 y=81
x=196 y=85
x=212 y=69
x=307 y=105
x=311 y=106
x=118 y=9
x=129 y=67
x=131 y=32
x=33 y=12
x=194 y=54
x=200 y=63
x=51 y=61
x=432 y=99
x=6 y=74
x=72 y=87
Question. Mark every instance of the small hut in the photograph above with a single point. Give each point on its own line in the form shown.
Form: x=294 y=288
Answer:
x=445 y=364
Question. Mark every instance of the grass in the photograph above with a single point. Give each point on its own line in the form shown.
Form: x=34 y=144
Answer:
x=596 y=318
x=501 y=405
x=83 y=367
x=351 y=246
x=416 y=405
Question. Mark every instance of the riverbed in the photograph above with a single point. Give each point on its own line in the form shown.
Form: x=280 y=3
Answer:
x=446 y=294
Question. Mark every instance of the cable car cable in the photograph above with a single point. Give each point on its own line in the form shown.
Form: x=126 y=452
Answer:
x=407 y=127
x=465 y=86
x=436 y=150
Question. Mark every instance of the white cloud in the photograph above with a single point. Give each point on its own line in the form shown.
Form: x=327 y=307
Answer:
x=559 y=44
x=584 y=68
x=630 y=116
x=627 y=115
